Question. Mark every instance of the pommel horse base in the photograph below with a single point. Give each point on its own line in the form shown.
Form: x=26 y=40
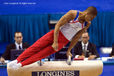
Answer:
x=59 y=68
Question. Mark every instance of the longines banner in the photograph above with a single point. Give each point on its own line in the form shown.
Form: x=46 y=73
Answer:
x=56 y=73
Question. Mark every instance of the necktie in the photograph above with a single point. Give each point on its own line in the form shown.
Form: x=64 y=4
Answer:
x=19 y=47
x=84 y=50
x=84 y=46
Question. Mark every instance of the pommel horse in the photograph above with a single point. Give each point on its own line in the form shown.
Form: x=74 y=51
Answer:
x=60 y=68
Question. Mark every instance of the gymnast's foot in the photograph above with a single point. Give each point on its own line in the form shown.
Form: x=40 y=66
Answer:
x=16 y=66
x=12 y=63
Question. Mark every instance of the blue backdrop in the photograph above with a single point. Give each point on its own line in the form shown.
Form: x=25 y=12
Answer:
x=32 y=27
x=102 y=29
x=31 y=18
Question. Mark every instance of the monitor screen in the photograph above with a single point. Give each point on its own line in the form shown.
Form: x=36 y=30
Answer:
x=15 y=53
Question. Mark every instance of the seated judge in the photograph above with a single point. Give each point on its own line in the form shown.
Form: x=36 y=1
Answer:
x=85 y=49
x=112 y=53
x=17 y=45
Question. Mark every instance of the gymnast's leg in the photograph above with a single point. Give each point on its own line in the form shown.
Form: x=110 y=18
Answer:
x=62 y=41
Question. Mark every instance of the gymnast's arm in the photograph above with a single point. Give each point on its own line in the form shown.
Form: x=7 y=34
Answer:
x=76 y=38
x=64 y=19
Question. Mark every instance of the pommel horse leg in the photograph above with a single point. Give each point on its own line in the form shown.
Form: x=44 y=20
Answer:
x=40 y=63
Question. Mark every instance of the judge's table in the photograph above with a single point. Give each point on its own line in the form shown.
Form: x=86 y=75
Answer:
x=60 y=68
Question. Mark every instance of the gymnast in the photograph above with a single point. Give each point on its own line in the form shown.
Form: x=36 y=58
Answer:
x=68 y=29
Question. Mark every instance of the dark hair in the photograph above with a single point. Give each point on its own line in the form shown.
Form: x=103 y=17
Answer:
x=17 y=32
x=92 y=10
x=86 y=32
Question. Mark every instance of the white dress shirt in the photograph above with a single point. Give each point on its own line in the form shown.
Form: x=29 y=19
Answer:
x=86 y=45
x=17 y=45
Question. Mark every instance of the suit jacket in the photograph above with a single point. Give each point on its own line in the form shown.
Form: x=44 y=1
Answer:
x=7 y=52
x=112 y=53
x=91 y=49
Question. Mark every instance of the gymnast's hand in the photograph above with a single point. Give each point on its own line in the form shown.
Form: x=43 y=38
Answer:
x=2 y=60
x=55 y=46
x=69 y=54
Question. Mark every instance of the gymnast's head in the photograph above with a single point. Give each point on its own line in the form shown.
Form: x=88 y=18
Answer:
x=91 y=13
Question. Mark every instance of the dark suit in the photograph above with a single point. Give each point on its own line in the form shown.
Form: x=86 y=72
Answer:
x=112 y=53
x=91 y=49
x=6 y=55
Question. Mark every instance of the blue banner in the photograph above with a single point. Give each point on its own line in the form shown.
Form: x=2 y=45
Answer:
x=51 y=6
